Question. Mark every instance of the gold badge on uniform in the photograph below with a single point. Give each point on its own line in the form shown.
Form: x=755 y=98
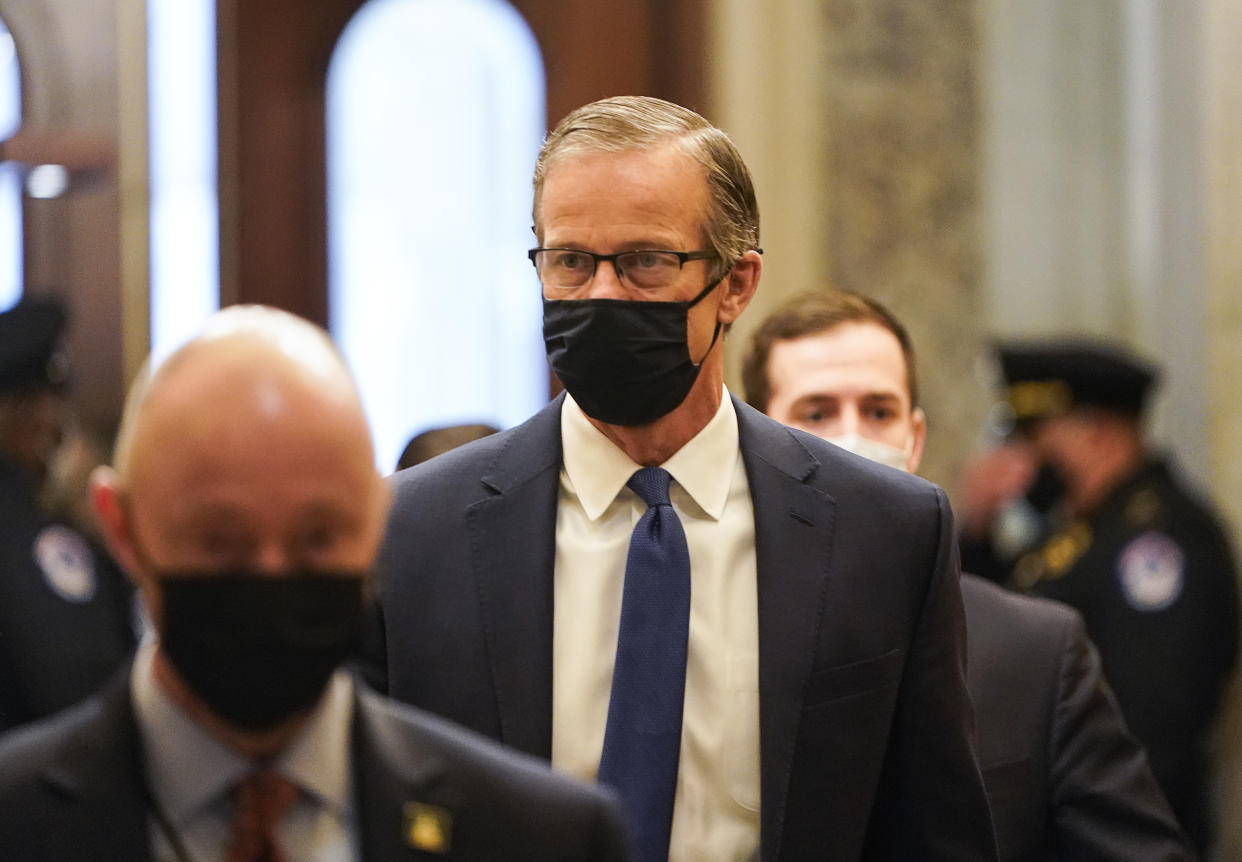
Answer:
x=1054 y=559
x=427 y=827
x=1143 y=508
x=1065 y=548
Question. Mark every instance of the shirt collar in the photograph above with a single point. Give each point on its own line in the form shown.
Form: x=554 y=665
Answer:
x=188 y=769
x=596 y=469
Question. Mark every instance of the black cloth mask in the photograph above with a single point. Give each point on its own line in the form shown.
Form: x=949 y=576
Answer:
x=1048 y=488
x=258 y=648
x=626 y=362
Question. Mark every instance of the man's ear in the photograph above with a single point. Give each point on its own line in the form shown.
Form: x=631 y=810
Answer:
x=918 y=421
x=740 y=286
x=107 y=498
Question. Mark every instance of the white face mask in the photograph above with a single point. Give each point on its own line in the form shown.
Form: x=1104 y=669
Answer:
x=881 y=453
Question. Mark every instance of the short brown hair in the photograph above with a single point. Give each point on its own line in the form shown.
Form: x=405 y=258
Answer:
x=809 y=314
x=623 y=123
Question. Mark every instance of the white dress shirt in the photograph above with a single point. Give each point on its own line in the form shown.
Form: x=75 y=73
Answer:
x=716 y=812
x=190 y=773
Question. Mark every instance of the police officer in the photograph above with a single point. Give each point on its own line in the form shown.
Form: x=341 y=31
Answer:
x=1116 y=533
x=64 y=606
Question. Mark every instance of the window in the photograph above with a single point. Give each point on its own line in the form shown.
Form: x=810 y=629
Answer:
x=435 y=114
x=10 y=175
x=185 y=258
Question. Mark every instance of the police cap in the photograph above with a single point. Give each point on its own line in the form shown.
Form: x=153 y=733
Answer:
x=1046 y=379
x=30 y=335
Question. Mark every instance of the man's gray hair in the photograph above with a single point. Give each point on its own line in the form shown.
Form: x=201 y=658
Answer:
x=623 y=123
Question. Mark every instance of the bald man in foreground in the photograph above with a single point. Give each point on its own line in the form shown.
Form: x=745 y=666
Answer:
x=246 y=505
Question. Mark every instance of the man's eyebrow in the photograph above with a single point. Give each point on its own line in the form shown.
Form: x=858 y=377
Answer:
x=816 y=398
x=329 y=510
x=200 y=512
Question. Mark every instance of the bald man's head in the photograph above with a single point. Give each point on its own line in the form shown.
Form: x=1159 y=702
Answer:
x=246 y=448
x=246 y=504
x=274 y=339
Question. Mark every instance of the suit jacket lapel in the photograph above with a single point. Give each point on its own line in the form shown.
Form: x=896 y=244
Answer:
x=513 y=548
x=390 y=770
x=98 y=777
x=793 y=542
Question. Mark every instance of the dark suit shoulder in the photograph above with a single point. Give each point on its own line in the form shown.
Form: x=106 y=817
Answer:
x=71 y=785
x=27 y=752
x=422 y=734
x=503 y=804
x=1017 y=648
x=1064 y=776
x=991 y=607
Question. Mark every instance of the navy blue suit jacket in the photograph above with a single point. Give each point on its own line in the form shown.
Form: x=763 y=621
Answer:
x=865 y=724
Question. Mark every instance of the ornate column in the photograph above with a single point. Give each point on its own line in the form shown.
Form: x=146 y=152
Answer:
x=860 y=123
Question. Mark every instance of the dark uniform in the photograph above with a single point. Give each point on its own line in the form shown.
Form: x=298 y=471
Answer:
x=64 y=606
x=64 y=610
x=1149 y=569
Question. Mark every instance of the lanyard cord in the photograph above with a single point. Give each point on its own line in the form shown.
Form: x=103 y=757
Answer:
x=165 y=825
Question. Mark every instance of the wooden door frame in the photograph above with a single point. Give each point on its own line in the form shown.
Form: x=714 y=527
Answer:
x=273 y=62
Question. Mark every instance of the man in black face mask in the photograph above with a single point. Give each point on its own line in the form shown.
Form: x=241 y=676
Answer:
x=1127 y=543
x=756 y=638
x=246 y=503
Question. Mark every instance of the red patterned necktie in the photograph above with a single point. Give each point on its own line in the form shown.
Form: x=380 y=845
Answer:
x=262 y=799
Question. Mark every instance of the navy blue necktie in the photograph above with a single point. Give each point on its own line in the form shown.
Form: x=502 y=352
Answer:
x=642 y=741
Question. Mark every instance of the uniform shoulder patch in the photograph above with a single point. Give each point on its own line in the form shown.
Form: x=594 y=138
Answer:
x=67 y=563
x=1152 y=569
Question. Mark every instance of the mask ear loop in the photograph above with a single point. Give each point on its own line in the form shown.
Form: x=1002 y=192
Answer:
x=715 y=335
x=715 y=332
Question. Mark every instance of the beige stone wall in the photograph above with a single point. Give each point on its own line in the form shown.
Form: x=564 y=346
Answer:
x=1222 y=34
x=903 y=155
x=859 y=121
x=768 y=77
x=1223 y=103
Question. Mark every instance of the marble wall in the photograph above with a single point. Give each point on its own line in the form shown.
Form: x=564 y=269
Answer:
x=1221 y=35
x=1011 y=168
x=903 y=148
x=888 y=170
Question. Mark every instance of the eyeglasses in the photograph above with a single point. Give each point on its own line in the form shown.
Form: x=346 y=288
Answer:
x=645 y=269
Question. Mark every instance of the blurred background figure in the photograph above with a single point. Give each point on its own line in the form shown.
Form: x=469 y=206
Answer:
x=65 y=608
x=1075 y=506
x=245 y=501
x=1064 y=777
x=437 y=441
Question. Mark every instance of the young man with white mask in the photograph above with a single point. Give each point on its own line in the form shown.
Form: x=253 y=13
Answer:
x=1065 y=779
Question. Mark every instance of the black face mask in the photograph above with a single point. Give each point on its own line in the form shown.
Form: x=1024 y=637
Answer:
x=1047 y=489
x=256 y=648
x=626 y=362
